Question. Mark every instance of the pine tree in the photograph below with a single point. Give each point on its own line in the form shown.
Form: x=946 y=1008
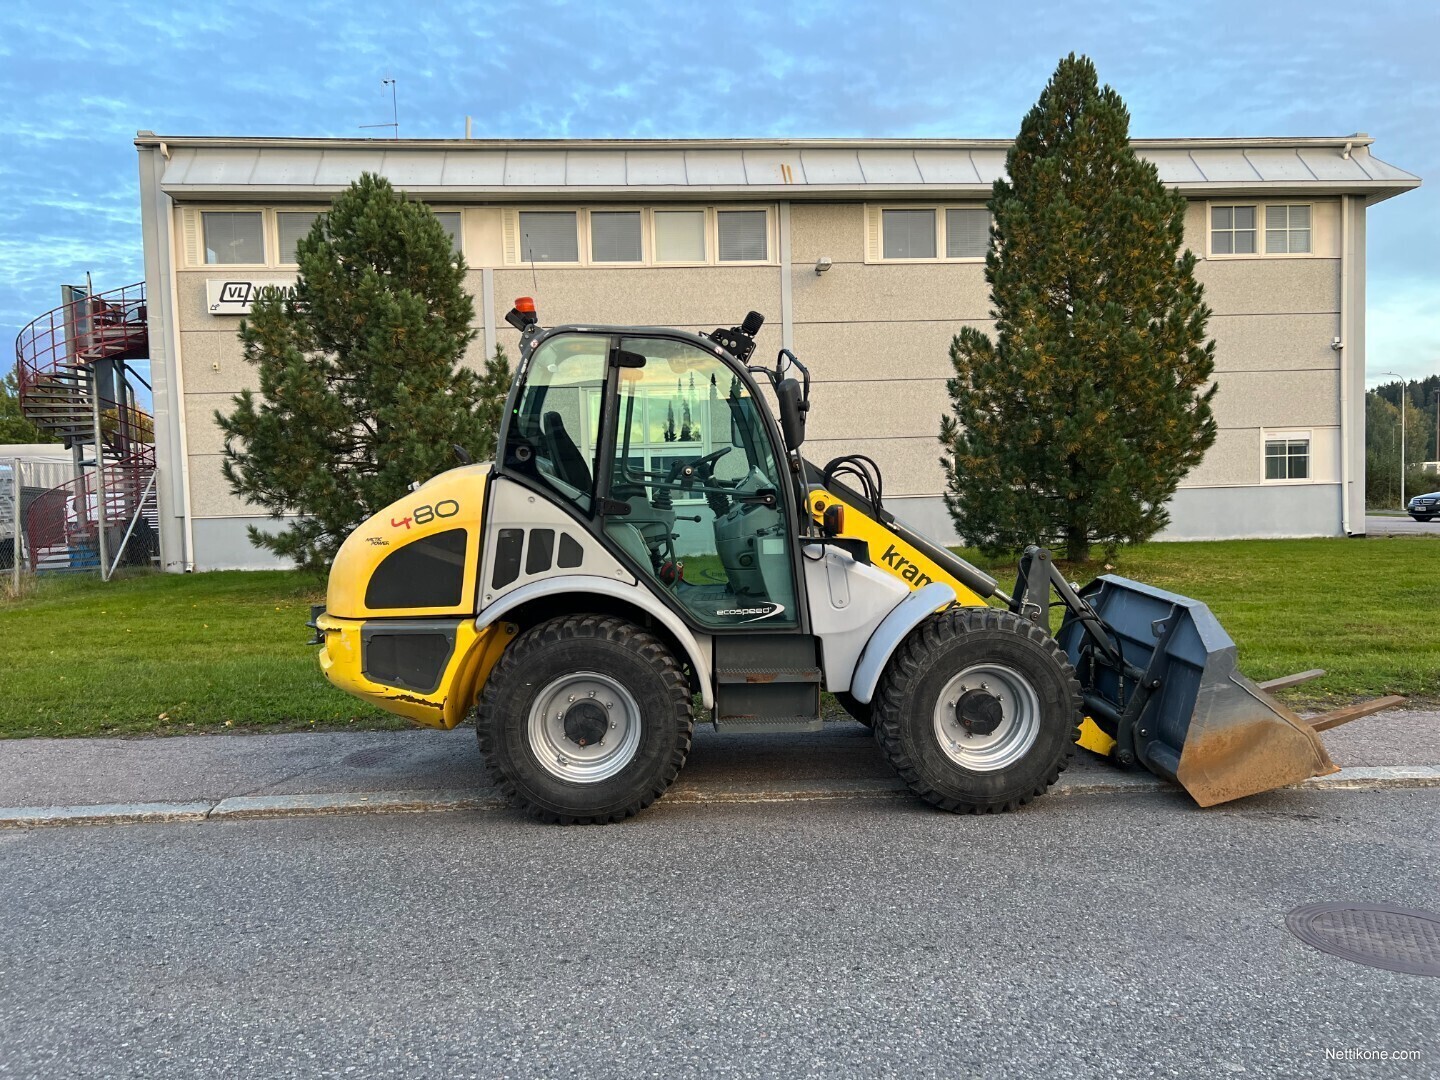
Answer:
x=361 y=392
x=670 y=435
x=1077 y=422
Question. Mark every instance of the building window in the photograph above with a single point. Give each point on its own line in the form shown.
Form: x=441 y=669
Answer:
x=743 y=235
x=292 y=226
x=1232 y=230
x=1287 y=230
x=450 y=221
x=909 y=234
x=679 y=236
x=549 y=236
x=927 y=233
x=615 y=236
x=967 y=233
x=1287 y=458
x=234 y=237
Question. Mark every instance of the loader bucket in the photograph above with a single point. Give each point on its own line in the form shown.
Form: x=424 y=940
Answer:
x=1192 y=718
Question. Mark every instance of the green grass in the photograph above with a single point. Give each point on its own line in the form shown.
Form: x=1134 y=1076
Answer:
x=1367 y=611
x=170 y=654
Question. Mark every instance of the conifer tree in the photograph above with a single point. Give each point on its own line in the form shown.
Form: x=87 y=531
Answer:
x=1078 y=420
x=361 y=388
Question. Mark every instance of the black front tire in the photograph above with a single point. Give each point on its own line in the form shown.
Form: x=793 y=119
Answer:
x=922 y=667
x=1423 y=517
x=634 y=658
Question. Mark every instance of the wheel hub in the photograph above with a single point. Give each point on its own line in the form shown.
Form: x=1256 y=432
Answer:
x=979 y=712
x=586 y=723
x=584 y=727
x=987 y=717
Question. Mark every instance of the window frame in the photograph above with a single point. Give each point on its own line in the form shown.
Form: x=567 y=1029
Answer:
x=587 y=249
x=941 y=235
x=582 y=234
x=275 y=213
x=1263 y=226
x=647 y=211
x=1260 y=205
x=270 y=231
x=268 y=237
x=1288 y=435
x=707 y=231
x=459 y=248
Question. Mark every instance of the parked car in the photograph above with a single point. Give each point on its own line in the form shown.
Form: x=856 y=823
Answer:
x=1425 y=507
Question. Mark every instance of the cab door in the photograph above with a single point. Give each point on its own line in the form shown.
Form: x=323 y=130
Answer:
x=696 y=492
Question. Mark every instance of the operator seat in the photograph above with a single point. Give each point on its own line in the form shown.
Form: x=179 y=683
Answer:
x=569 y=462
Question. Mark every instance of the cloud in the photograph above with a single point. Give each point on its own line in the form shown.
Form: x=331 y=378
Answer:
x=71 y=98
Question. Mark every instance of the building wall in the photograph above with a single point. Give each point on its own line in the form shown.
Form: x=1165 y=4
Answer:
x=876 y=337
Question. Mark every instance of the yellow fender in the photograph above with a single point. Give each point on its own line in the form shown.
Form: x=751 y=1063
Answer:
x=476 y=653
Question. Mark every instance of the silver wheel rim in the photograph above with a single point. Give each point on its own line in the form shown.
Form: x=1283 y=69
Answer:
x=561 y=755
x=1019 y=724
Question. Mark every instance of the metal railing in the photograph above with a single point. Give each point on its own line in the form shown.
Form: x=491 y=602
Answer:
x=76 y=381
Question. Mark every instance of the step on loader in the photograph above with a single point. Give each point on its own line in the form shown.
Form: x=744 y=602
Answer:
x=650 y=534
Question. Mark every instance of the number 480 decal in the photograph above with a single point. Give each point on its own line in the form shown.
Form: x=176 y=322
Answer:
x=423 y=515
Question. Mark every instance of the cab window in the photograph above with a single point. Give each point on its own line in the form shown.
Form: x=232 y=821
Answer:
x=691 y=457
x=554 y=432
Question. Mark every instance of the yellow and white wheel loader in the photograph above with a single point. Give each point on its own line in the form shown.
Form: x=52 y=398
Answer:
x=651 y=533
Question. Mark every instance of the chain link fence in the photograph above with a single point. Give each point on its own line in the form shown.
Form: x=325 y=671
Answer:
x=52 y=521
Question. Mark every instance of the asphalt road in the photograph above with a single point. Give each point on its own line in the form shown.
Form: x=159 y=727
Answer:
x=1395 y=525
x=1113 y=936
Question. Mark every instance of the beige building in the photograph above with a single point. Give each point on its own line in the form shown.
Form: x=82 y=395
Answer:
x=866 y=256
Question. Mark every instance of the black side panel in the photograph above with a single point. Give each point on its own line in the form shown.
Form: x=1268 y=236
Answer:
x=571 y=553
x=537 y=556
x=424 y=573
x=507 y=557
x=407 y=655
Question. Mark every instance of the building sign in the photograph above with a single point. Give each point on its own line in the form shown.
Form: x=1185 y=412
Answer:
x=233 y=296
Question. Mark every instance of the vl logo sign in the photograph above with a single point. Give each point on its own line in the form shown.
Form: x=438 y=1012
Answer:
x=236 y=296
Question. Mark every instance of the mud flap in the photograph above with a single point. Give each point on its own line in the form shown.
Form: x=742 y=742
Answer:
x=1171 y=696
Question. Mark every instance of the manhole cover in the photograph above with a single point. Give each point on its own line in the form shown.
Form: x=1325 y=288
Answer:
x=368 y=759
x=1393 y=938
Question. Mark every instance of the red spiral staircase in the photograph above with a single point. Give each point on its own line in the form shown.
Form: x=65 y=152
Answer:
x=77 y=382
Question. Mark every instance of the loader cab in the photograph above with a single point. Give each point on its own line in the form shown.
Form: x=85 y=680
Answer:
x=660 y=442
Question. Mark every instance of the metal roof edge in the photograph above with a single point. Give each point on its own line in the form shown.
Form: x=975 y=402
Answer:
x=753 y=192
x=150 y=139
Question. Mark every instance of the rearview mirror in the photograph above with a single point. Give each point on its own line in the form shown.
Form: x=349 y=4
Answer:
x=793 y=408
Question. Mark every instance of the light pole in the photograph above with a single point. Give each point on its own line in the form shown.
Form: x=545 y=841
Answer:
x=1402 y=432
x=1435 y=397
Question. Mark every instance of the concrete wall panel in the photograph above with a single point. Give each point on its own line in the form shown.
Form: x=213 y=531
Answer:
x=879 y=352
x=911 y=466
x=1254 y=512
x=215 y=364
x=191 y=308
x=1278 y=399
x=836 y=230
x=843 y=410
x=1271 y=286
x=894 y=292
x=224 y=544
x=1271 y=342
x=676 y=296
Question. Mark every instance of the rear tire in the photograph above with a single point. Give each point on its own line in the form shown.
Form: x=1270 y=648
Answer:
x=1014 y=738
x=559 y=693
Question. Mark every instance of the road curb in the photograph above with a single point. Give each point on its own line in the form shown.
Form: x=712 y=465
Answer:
x=243 y=807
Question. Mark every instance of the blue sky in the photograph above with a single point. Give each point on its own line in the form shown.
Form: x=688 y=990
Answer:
x=78 y=80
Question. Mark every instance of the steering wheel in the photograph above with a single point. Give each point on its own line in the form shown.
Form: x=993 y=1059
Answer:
x=699 y=469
